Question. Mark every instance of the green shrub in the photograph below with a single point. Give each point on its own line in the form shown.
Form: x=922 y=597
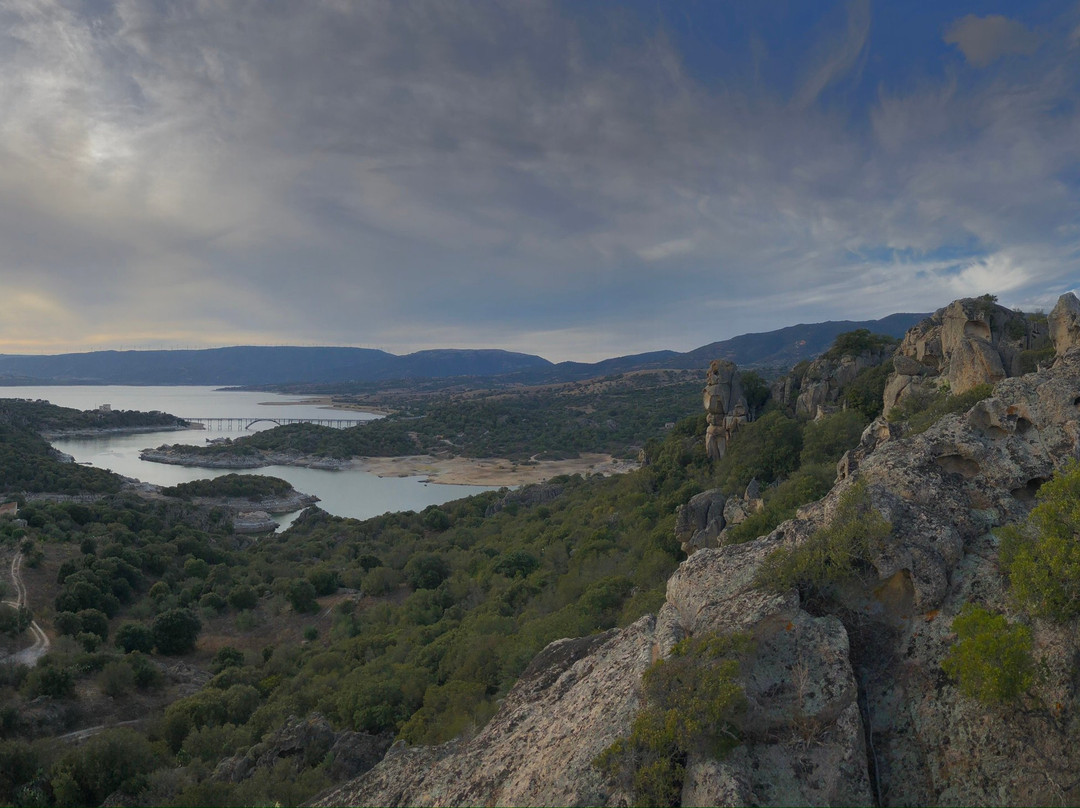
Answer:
x=834 y=553
x=1042 y=556
x=243 y=597
x=692 y=703
x=990 y=659
x=301 y=596
x=919 y=413
x=175 y=631
x=116 y=679
x=49 y=680
x=134 y=637
x=426 y=571
x=1030 y=360
x=227 y=657
x=808 y=484
x=94 y=621
x=825 y=441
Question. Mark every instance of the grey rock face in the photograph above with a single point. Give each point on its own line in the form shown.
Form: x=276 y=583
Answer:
x=699 y=521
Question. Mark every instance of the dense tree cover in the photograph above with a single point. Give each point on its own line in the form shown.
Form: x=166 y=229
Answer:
x=28 y=463
x=447 y=607
x=538 y=423
x=255 y=487
x=42 y=416
x=866 y=392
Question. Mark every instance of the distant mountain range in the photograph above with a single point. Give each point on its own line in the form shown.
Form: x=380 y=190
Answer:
x=258 y=365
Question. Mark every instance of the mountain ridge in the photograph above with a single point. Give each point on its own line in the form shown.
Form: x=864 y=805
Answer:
x=277 y=365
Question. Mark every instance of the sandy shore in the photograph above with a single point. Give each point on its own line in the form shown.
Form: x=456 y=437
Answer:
x=489 y=471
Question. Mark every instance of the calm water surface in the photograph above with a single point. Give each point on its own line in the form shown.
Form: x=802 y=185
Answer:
x=354 y=493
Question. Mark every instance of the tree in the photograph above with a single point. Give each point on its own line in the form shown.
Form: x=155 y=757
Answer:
x=135 y=637
x=302 y=596
x=175 y=631
x=1042 y=556
x=13 y=620
x=426 y=571
x=756 y=390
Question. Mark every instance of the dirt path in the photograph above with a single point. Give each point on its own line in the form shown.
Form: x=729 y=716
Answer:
x=80 y=735
x=27 y=656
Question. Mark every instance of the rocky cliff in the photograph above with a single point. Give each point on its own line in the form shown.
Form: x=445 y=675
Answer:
x=814 y=388
x=970 y=342
x=846 y=701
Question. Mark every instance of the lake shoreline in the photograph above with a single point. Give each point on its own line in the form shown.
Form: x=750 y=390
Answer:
x=437 y=470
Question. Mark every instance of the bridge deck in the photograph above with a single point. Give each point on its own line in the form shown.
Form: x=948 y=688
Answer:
x=227 y=423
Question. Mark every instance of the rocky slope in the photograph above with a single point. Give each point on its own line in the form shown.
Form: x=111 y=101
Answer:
x=846 y=700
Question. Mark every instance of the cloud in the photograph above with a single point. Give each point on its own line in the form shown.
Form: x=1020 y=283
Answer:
x=840 y=57
x=407 y=174
x=983 y=40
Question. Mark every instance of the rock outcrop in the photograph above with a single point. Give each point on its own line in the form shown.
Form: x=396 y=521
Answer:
x=699 y=521
x=1064 y=323
x=969 y=342
x=725 y=406
x=812 y=390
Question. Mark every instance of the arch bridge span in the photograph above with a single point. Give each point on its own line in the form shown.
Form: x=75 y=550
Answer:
x=230 y=424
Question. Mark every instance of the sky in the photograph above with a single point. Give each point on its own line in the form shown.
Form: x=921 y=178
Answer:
x=578 y=179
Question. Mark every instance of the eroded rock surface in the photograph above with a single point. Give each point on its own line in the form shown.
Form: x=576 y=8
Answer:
x=725 y=405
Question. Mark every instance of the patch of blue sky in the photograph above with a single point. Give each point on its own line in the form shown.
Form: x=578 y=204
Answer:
x=962 y=254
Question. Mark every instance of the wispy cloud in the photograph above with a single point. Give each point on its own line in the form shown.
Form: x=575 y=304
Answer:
x=407 y=174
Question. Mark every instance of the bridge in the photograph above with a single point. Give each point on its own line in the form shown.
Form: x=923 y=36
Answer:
x=225 y=424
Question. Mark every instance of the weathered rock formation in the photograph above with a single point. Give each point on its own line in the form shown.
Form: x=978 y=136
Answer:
x=811 y=391
x=847 y=703
x=1064 y=322
x=725 y=405
x=699 y=521
x=969 y=342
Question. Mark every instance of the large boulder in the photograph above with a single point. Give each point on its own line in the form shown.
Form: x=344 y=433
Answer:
x=1064 y=322
x=699 y=521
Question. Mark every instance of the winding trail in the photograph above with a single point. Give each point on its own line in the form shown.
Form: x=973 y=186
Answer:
x=27 y=656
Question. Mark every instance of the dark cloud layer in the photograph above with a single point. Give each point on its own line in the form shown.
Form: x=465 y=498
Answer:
x=568 y=179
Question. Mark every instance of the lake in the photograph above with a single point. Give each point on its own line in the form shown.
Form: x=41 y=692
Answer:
x=352 y=492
